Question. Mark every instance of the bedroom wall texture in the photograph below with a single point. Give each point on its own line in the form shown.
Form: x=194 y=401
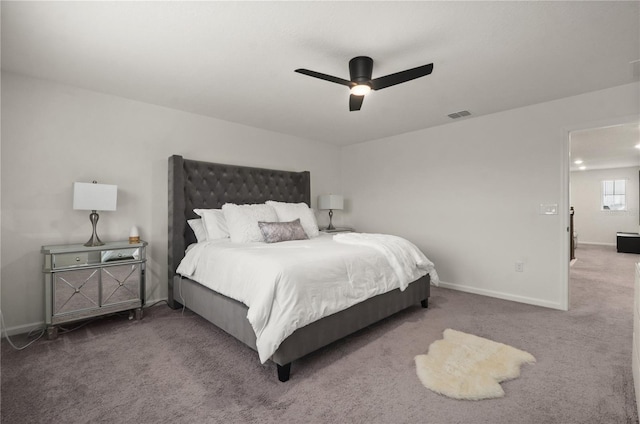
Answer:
x=469 y=193
x=54 y=135
x=592 y=224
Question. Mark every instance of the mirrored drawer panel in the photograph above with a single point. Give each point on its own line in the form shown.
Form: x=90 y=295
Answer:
x=65 y=260
x=120 y=283
x=75 y=290
x=120 y=255
x=75 y=259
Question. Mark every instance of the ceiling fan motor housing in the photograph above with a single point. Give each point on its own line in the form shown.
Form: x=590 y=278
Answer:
x=360 y=69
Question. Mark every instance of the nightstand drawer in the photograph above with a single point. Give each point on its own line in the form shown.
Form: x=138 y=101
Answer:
x=66 y=260
x=120 y=255
x=78 y=259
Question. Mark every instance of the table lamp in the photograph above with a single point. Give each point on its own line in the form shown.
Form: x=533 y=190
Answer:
x=94 y=197
x=331 y=202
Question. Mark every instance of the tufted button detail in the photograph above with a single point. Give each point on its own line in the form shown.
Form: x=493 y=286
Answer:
x=211 y=185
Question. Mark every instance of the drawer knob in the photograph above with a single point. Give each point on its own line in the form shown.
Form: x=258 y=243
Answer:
x=77 y=259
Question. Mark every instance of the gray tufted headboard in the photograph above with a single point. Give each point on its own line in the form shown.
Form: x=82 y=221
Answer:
x=206 y=185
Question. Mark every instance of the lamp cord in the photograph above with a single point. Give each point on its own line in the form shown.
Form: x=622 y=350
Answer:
x=6 y=335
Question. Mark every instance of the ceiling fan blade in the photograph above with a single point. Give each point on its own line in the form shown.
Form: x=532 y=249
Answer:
x=400 y=77
x=325 y=77
x=355 y=102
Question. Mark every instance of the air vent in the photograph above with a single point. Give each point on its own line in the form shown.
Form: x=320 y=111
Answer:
x=460 y=114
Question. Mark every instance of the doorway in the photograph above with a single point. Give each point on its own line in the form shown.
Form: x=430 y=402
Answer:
x=604 y=163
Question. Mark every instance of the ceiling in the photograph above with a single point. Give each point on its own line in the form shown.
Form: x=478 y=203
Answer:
x=607 y=147
x=235 y=60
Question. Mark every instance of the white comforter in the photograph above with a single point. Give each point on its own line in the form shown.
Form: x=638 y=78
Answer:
x=291 y=284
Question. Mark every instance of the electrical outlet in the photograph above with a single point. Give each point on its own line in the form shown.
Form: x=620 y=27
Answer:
x=519 y=266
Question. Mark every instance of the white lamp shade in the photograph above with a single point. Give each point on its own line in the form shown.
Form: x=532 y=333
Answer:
x=94 y=197
x=330 y=201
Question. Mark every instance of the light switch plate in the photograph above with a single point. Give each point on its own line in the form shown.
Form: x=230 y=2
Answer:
x=548 y=209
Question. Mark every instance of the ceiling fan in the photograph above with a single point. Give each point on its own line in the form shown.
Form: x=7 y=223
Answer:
x=360 y=69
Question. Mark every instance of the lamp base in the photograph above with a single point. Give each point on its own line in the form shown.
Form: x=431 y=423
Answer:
x=331 y=227
x=94 y=240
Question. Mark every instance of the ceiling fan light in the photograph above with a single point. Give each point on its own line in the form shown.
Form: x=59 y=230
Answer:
x=360 y=89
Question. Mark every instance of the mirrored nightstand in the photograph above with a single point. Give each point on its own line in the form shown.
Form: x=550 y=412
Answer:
x=83 y=282
x=338 y=230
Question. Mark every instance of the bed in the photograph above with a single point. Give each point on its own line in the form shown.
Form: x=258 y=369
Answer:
x=196 y=184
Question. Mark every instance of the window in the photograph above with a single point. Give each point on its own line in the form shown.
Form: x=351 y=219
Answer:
x=613 y=195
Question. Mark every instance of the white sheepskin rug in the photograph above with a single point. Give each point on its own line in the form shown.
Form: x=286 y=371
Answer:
x=464 y=366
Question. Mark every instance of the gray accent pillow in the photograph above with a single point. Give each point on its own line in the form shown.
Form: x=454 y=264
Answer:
x=275 y=232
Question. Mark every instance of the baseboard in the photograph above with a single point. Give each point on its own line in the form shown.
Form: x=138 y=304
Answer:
x=594 y=243
x=501 y=295
x=21 y=329
x=25 y=328
x=149 y=302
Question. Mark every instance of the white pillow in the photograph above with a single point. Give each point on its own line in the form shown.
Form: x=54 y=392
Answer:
x=242 y=221
x=197 y=226
x=214 y=222
x=291 y=211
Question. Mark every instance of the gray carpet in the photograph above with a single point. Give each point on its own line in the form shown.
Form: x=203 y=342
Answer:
x=175 y=367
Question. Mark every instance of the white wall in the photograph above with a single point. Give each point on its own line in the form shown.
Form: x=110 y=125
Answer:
x=53 y=135
x=592 y=224
x=469 y=193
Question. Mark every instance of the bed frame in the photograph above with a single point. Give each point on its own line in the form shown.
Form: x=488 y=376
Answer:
x=196 y=184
